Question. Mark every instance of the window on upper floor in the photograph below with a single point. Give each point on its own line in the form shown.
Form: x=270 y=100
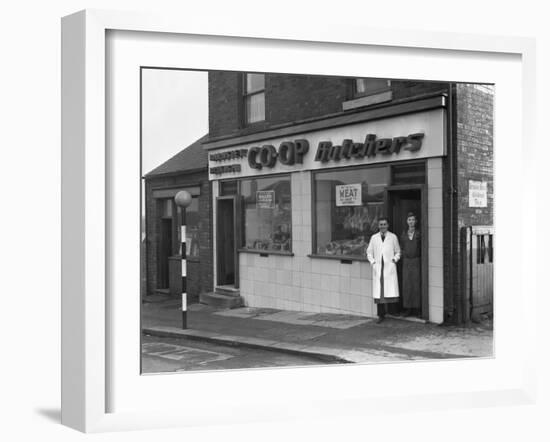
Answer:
x=254 y=98
x=370 y=86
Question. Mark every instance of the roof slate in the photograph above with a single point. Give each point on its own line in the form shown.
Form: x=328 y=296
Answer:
x=193 y=157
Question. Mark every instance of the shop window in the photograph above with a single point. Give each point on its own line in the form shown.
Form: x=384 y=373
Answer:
x=228 y=188
x=409 y=173
x=370 y=86
x=267 y=213
x=254 y=98
x=348 y=204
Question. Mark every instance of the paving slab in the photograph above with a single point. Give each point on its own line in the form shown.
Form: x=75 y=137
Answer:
x=329 y=335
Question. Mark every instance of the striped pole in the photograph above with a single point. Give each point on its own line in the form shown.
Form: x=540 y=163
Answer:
x=183 y=274
x=183 y=200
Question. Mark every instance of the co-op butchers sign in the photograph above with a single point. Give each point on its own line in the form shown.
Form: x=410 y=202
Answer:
x=293 y=152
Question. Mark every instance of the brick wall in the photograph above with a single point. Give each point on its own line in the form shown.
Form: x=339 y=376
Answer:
x=295 y=97
x=199 y=273
x=470 y=157
x=474 y=133
x=405 y=89
x=224 y=103
x=290 y=98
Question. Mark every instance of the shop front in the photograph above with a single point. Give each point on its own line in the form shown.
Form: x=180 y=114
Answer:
x=294 y=207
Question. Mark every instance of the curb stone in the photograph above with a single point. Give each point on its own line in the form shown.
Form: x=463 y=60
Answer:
x=322 y=353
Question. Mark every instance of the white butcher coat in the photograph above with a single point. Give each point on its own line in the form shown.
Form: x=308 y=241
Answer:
x=386 y=250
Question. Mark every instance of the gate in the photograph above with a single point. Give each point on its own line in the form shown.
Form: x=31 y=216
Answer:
x=477 y=243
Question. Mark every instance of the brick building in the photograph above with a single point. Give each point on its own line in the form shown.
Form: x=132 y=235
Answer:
x=187 y=170
x=282 y=147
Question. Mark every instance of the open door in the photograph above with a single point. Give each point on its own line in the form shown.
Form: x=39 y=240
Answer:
x=402 y=200
x=228 y=240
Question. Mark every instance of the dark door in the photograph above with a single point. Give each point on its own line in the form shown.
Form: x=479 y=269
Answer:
x=401 y=202
x=164 y=252
x=225 y=242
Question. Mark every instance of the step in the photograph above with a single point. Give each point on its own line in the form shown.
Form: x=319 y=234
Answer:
x=221 y=300
x=227 y=290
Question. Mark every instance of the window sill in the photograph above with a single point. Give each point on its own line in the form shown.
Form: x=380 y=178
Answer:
x=340 y=257
x=265 y=252
x=367 y=100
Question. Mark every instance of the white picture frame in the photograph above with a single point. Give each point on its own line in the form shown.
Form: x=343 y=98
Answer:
x=87 y=315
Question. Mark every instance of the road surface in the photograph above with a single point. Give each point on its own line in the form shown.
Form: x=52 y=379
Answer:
x=161 y=355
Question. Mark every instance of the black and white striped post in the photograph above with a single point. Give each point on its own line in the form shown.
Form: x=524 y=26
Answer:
x=183 y=200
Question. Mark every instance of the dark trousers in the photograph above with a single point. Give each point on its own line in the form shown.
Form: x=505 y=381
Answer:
x=381 y=310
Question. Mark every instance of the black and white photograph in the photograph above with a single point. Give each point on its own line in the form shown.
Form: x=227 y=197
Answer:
x=297 y=220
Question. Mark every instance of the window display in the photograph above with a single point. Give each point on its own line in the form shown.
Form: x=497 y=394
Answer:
x=267 y=213
x=348 y=204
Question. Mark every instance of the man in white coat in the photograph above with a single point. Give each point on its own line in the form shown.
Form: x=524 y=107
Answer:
x=383 y=253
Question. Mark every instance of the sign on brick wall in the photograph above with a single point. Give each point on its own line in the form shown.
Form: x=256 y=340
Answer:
x=477 y=193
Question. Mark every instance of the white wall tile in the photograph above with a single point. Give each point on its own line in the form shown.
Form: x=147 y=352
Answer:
x=435 y=276
x=297 y=279
x=345 y=270
x=435 y=236
x=316 y=265
x=435 y=217
x=355 y=270
x=436 y=296
x=435 y=177
x=435 y=256
x=434 y=163
x=356 y=286
x=436 y=314
x=435 y=198
x=345 y=284
x=315 y=281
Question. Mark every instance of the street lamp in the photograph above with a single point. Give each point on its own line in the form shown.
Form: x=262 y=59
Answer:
x=183 y=200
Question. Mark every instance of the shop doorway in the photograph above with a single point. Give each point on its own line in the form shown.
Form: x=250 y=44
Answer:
x=164 y=252
x=227 y=240
x=401 y=201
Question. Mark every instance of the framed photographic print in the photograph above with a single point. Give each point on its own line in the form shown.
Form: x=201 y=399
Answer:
x=289 y=223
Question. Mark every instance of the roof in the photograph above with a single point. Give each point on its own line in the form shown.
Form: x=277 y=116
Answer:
x=193 y=157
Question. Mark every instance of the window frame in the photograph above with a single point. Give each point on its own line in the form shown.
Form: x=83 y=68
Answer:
x=244 y=99
x=356 y=94
x=241 y=247
x=389 y=166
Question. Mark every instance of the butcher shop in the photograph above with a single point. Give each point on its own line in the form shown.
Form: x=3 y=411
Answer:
x=293 y=214
x=295 y=206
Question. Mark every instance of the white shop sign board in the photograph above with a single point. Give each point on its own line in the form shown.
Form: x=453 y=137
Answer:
x=431 y=123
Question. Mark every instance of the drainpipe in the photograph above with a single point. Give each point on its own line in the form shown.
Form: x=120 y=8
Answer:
x=455 y=309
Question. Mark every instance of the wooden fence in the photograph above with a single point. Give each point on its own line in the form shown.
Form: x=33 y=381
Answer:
x=477 y=251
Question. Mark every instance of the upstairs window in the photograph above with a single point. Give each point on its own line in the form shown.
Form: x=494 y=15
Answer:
x=254 y=98
x=370 y=86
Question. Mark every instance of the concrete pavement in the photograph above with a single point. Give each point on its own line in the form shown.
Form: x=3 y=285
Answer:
x=329 y=337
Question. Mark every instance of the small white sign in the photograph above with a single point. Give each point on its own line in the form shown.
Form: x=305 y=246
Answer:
x=265 y=199
x=478 y=193
x=348 y=195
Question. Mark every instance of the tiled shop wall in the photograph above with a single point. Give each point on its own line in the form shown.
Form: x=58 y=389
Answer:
x=309 y=284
